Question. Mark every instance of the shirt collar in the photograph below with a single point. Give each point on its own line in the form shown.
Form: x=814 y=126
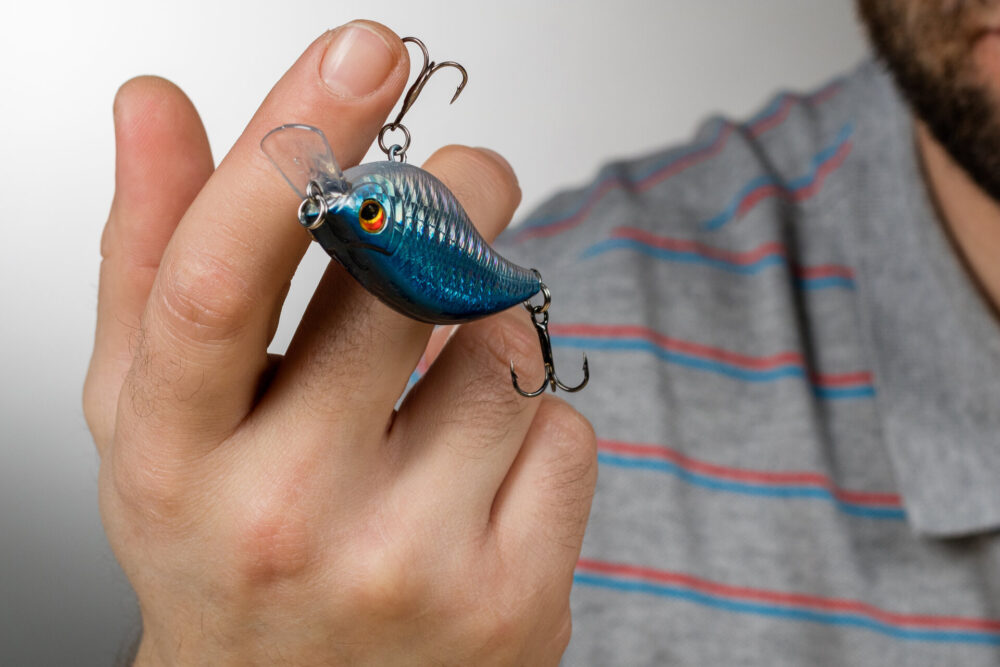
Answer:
x=934 y=340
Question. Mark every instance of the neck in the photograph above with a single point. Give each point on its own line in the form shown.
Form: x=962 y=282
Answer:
x=970 y=215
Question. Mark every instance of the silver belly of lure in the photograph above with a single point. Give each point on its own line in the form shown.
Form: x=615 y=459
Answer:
x=404 y=236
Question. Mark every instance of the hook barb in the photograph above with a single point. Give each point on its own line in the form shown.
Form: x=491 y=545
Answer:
x=426 y=71
x=540 y=320
x=451 y=63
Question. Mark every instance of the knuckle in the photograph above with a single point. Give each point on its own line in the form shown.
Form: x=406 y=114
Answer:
x=149 y=378
x=571 y=475
x=489 y=346
x=158 y=493
x=497 y=630
x=475 y=174
x=505 y=624
x=503 y=339
x=387 y=585
x=94 y=408
x=107 y=236
x=570 y=434
x=564 y=632
x=345 y=357
x=125 y=249
x=204 y=299
x=501 y=174
x=276 y=541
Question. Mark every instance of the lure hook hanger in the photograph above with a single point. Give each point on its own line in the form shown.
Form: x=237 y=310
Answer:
x=425 y=73
x=540 y=319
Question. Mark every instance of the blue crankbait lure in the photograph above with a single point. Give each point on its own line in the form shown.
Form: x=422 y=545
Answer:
x=403 y=235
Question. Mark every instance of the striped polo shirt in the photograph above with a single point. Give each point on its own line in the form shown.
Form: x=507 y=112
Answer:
x=796 y=389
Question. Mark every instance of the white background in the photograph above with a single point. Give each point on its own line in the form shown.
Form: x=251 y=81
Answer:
x=556 y=87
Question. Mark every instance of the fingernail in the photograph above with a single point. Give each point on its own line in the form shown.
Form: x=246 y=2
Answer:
x=357 y=61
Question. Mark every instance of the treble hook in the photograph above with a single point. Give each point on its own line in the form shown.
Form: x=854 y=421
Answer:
x=540 y=318
x=411 y=96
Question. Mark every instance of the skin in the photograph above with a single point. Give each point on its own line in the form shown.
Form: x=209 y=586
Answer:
x=280 y=511
x=945 y=57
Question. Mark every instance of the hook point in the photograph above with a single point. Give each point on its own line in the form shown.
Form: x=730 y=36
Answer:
x=540 y=319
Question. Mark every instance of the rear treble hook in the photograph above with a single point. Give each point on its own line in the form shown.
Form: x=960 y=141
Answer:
x=428 y=69
x=540 y=318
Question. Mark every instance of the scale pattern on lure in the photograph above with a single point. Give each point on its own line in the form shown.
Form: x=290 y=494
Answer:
x=404 y=236
x=419 y=252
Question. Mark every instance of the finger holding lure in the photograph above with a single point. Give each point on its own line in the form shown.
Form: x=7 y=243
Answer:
x=404 y=236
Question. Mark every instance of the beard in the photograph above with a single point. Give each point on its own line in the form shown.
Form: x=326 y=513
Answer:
x=928 y=47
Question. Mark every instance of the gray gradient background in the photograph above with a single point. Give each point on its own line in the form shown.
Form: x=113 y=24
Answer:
x=556 y=87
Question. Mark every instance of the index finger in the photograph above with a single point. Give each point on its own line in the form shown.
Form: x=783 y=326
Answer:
x=206 y=326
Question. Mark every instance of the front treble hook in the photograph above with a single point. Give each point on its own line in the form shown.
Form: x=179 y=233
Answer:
x=540 y=318
x=428 y=69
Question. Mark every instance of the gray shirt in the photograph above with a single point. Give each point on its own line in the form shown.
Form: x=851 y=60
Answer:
x=795 y=384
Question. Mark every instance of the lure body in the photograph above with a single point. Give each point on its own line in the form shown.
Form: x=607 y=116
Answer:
x=419 y=253
x=404 y=237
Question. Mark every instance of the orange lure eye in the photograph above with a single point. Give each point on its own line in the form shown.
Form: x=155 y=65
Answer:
x=371 y=215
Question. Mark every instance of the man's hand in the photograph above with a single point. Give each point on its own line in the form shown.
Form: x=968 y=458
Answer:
x=279 y=511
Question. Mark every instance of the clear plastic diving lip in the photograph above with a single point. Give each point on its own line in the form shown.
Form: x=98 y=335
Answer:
x=303 y=155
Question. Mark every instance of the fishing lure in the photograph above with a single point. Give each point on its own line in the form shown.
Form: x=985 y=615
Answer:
x=404 y=236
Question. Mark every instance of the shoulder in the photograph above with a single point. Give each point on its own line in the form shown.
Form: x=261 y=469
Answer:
x=723 y=271
x=783 y=158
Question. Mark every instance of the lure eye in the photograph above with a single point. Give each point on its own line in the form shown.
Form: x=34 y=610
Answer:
x=371 y=215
